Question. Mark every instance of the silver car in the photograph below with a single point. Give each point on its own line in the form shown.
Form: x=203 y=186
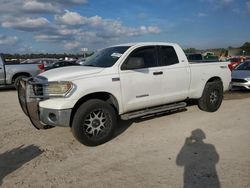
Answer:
x=241 y=76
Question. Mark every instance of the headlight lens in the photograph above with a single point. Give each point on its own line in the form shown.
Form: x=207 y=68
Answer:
x=59 y=89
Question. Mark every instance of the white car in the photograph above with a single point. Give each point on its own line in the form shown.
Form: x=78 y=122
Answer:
x=128 y=80
x=241 y=76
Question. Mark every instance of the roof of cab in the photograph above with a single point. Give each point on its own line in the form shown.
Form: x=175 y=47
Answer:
x=146 y=44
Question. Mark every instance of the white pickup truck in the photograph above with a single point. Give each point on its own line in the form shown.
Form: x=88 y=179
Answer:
x=129 y=80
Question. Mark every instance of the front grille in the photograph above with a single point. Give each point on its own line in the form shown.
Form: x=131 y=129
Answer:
x=38 y=89
x=239 y=80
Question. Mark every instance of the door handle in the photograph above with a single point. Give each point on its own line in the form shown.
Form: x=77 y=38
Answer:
x=157 y=73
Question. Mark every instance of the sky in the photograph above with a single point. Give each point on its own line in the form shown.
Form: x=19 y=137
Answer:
x=58 y=26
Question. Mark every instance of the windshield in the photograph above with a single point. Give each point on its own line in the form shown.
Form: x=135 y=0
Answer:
x=243 y=66
x=106 y=57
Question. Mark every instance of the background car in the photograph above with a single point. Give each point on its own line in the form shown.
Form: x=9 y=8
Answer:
x=194 y=57
x=211 y=58
x=241 y=76
x=43 y=62
x=234 y=62
x=80 y=61
x=59 y=64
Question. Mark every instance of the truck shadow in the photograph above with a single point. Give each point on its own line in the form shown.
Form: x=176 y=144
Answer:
x=13 y=159
x=237 y=94
x=123 y=125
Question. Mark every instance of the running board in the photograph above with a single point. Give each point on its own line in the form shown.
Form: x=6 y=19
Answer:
x=154 y=110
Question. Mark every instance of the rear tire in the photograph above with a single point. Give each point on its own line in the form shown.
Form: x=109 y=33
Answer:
x=212 y=97
x=94 y=122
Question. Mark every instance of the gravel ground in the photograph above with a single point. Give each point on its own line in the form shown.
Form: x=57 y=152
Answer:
x=152 y=152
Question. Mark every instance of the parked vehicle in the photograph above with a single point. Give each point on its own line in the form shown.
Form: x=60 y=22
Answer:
x=234 y=62
x=10 y=74
x=199 y=58
x=194 y=57
x=241 y=76
x=211 y=58
x=59 y=64
x=44 y=62
x=126 y=81
x=80 y=61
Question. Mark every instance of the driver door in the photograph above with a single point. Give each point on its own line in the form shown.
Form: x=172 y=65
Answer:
x=141 y=86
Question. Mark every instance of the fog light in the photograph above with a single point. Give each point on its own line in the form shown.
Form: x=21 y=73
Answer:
x=52 y=117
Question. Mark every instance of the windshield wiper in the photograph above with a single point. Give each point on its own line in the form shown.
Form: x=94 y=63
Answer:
x=89 y=65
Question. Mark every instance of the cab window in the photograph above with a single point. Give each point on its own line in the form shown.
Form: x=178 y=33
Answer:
x=145 y=54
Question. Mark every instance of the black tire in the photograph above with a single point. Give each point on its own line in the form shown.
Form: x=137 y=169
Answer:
x=212 y=97
x=17 y=80
x=94 y=122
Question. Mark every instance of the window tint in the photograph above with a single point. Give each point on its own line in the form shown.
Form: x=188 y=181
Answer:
x=168 y=56
x=147 y=54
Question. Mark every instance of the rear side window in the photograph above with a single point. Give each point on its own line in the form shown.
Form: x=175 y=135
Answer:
x=167 y=56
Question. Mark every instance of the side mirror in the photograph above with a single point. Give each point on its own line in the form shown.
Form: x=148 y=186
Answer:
x=133 y=63
x=1 y=61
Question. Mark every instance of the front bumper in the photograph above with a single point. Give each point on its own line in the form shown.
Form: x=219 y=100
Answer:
x=41 y=118
x=240 y=85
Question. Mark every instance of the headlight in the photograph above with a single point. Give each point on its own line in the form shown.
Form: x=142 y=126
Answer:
x=59 y=89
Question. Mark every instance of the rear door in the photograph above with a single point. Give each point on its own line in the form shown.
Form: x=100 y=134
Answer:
x=176 y=75
x=141 y=87
x=2 y=74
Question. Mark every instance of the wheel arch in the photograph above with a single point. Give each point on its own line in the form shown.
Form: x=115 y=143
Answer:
x=20 y=74
x=104 y=96
x=213 y=79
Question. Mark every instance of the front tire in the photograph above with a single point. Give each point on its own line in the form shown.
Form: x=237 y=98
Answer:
x=94 y=122
x=212 y=97
x=17 y=80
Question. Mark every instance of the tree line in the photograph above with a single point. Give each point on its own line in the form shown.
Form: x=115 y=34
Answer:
x=245 y=47
x=42 y=55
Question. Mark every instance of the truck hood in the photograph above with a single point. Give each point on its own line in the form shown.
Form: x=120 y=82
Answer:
x=70 y=73
x=240 y=74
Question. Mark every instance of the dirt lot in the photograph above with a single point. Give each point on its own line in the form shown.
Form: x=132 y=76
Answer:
x=155 y=152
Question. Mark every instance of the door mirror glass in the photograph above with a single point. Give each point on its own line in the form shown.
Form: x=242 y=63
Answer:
x=133 y=63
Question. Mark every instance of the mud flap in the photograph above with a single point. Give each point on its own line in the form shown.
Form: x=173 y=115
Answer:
x=29 y=104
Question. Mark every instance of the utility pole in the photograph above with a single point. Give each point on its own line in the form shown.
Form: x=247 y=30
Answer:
x=84 y=50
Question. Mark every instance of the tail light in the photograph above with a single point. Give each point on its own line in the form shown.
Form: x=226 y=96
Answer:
x=230 y=66
x=41 y=67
